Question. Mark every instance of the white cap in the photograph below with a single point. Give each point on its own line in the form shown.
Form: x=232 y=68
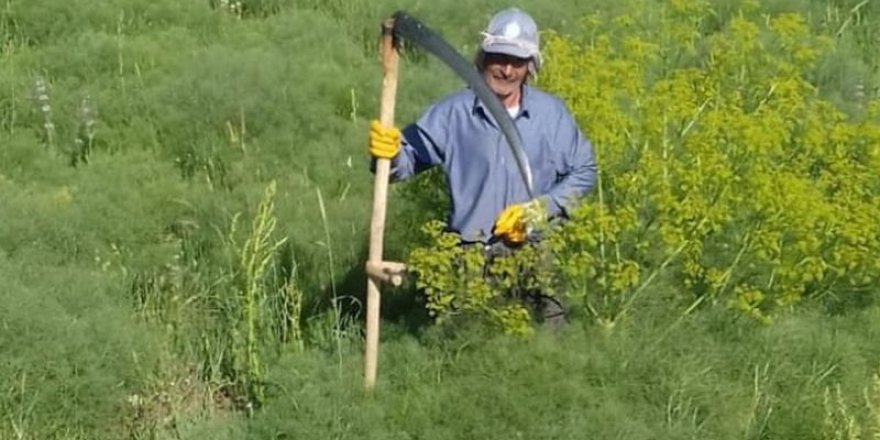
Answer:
x=513 y=32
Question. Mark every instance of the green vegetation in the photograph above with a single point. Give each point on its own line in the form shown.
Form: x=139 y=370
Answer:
x=185 y=197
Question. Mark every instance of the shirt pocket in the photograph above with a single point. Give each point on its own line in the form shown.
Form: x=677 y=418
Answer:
x=543 y=162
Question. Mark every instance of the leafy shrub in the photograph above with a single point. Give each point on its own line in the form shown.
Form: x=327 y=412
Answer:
x=463 y=280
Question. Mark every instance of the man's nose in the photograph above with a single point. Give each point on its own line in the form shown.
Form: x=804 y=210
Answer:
x=508 y=67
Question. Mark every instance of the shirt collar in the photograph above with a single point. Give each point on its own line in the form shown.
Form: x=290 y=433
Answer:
x=524 y=106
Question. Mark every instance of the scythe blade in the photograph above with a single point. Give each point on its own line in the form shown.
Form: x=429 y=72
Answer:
x=407 y=28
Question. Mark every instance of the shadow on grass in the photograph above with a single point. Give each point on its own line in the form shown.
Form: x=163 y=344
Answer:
x=402 y=309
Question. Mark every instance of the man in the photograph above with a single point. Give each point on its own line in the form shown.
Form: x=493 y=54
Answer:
x=490 y=202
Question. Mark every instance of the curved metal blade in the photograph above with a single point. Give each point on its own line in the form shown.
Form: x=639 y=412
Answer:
x=410 y=29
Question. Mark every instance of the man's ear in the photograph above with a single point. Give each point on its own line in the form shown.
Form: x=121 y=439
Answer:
x=479 y=59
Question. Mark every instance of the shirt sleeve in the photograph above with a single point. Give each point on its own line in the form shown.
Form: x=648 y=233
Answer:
x=422 y=144
x=577 y=170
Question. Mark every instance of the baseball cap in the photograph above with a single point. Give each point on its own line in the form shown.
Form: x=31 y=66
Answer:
x=512 y=32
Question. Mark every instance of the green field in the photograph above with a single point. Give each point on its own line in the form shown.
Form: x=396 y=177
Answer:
x=184 y=209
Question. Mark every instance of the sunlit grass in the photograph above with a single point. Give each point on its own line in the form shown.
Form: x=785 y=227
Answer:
x=177 y=115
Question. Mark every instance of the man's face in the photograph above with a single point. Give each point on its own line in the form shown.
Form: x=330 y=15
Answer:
x=505 y=74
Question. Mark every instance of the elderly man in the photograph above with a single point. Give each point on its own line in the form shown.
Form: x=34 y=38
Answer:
x=490 y=203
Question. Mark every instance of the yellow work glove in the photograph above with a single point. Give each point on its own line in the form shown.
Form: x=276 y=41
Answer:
x=516 y=221
x=384 y=141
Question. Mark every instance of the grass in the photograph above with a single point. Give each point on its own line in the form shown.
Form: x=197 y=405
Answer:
x=711 y=377
x=192 y=111
x=68 y=344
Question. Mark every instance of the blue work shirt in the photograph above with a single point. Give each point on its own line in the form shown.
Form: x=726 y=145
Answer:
x=460 y=135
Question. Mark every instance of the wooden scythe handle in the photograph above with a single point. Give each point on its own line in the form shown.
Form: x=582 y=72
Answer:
x=380 y=195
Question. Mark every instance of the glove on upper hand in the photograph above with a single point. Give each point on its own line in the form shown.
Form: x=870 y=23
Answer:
x=516 y=221
x=384 y=141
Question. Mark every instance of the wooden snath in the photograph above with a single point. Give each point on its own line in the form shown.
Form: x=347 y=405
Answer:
x=377 y=269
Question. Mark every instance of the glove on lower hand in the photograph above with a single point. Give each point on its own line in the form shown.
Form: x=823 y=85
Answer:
x=516 y=221
x=384 y=141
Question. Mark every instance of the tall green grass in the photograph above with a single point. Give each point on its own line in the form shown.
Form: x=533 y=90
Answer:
x=178 y=114
x=708 y=377
x=71 y=351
